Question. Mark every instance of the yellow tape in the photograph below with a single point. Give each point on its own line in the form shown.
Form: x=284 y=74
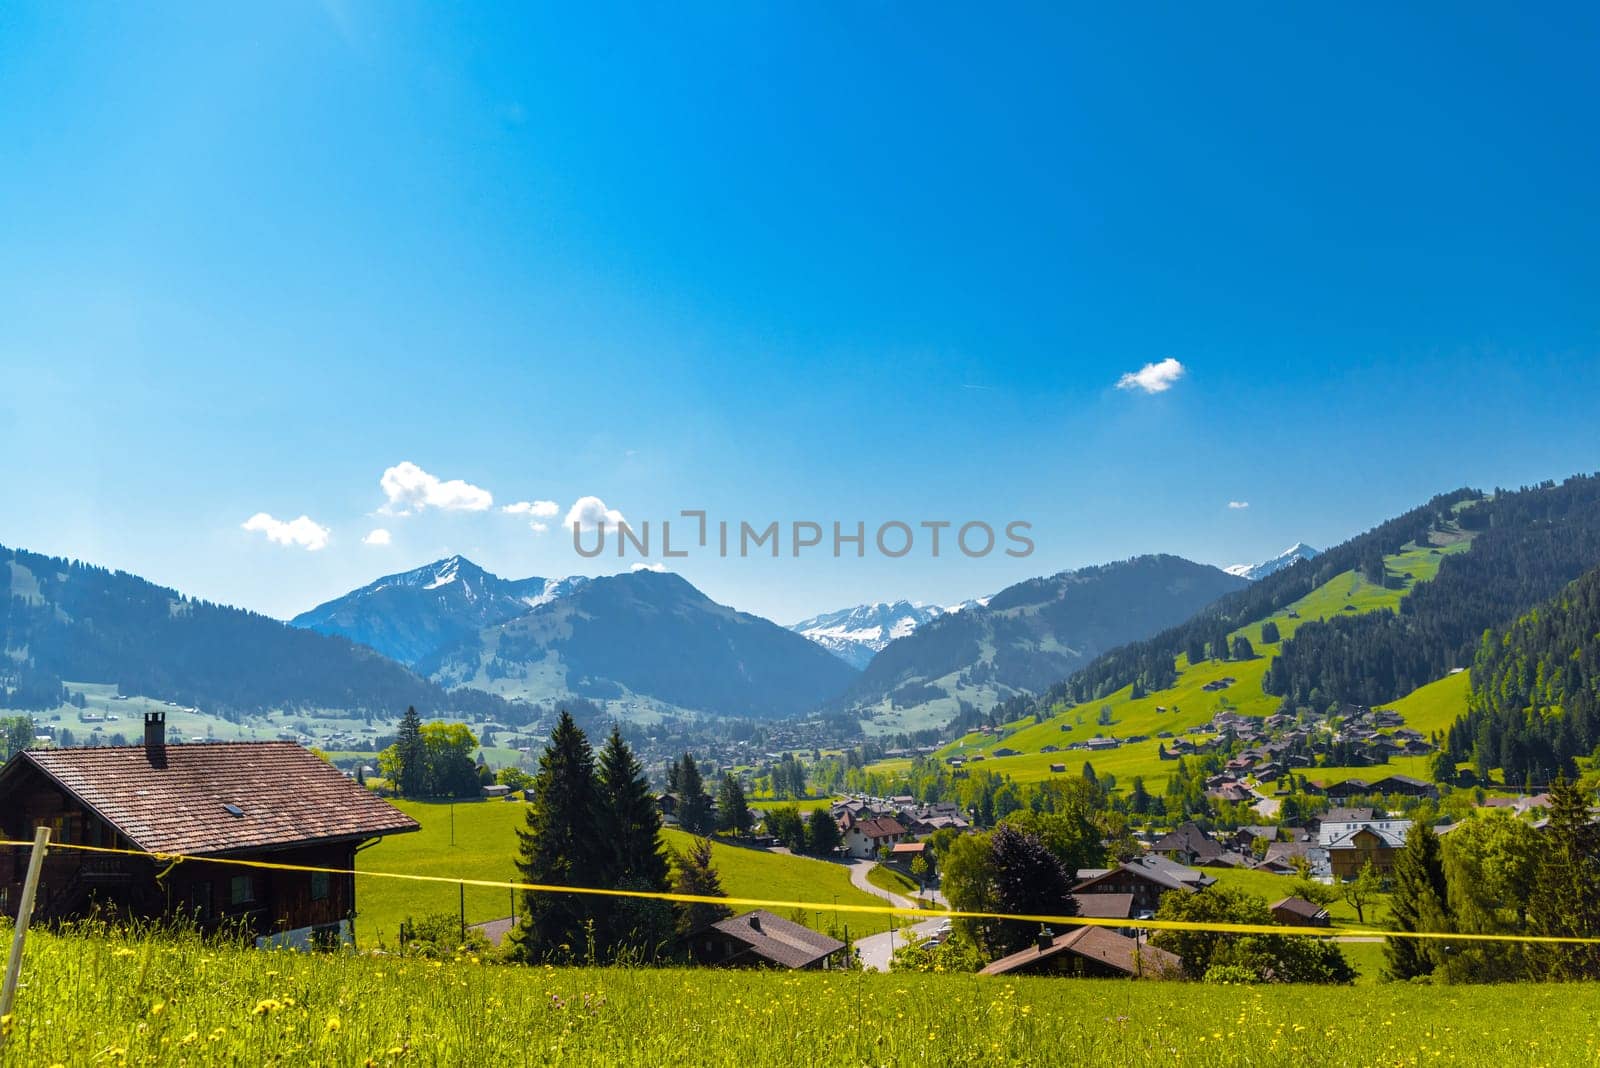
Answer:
x=172 y=859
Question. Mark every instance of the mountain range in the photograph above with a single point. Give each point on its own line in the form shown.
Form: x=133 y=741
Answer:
x=411 y=615
x=64 y=620
x=641 y=643
x=1027 y=637
x=856 y=635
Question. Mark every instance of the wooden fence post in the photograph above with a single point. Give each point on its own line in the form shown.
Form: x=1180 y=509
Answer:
x=41 y=840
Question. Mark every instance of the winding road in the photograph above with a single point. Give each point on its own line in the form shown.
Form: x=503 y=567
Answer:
x=876 y=950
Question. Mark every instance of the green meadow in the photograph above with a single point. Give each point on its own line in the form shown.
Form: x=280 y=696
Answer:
x=1189 y=704
x=105 y=997
x=485 y=845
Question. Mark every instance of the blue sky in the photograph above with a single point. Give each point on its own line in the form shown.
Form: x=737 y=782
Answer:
x=849 y=262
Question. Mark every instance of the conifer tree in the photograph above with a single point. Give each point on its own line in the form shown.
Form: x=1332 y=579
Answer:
x=1566 y=888
x=628 y=838
x=558 y=846
x=1418 y=903
x=733 y=811
x=693 y=873
x=411 y=757
x=694 y=804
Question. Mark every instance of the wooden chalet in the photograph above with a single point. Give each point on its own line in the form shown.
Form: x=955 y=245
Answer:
x=259 y=801
x=1091 y=953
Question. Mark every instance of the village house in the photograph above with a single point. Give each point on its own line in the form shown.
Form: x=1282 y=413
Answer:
x=1090 y=952
x=864 y=839
x=1188 y=844
x=761 y=939
x=1349 y=852
x=1298 y=912
x=1145 y=878
x=227 y=801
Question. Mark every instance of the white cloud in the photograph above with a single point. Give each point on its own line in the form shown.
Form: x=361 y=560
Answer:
x=303 y=532
x=658 y=567
x=377 y=537
x=1238 y=505
x=538 y=509
x=411 y=489
x=538 y=527
x=586 y=513
x=1153 y=377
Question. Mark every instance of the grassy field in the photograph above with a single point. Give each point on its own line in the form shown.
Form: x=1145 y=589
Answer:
x=1188 y=704
x=1277 y=887
x=111 y=999
x=485 y=846
x=889 y=879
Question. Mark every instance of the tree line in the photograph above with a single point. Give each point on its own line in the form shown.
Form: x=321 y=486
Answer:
x=1500 y=875
x=1534 y=707
x=1531 y=544
x=1151 y=663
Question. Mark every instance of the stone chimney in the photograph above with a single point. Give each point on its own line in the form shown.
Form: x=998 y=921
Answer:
x=155 y=738
x=1046 y=938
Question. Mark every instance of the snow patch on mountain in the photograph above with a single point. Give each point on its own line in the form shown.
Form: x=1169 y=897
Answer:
x=855 y=635
x=1293 y=554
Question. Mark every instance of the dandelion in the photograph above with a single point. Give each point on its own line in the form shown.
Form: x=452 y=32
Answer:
x=266 y=1006
x=332 y=1024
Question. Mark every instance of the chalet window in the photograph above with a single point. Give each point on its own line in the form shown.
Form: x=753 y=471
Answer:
x=241 y=890
x=320 y=884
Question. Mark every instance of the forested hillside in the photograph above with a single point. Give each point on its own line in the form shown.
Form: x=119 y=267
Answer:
x=1528 y=545
x=67 y=620
x=1535 y=700
x=1151 y=664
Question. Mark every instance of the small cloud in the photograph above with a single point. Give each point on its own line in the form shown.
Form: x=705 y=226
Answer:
x=411 y=489
x=658 y=567
x=587 y=513
x=538 y=509
x=1238 y=506
x=1153 y=377
x=377 y=537
x=303 y=532
x=538 y=527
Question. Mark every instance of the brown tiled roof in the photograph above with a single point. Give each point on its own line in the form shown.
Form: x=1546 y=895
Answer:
x=778 y=940
x=1105 y=906
x=883 y=827
x=1299 y=906
x=287 y=795
x=1096 y=944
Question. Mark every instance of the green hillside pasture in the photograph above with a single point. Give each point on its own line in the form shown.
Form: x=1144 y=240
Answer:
x=778 y=876
x=114 y=999
x=485 y=848
x=1277 y=887
x=1437 y=705
x=1194 y=704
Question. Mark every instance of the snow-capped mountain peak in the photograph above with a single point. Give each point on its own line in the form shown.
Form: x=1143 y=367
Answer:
x=1293 y=554
x=857 y=634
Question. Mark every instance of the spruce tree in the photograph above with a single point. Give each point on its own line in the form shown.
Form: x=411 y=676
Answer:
x=558 y=847
x=694 y=804
x=733 y=811
x=693 y=873
x=1565 y=901
x=1418 y=903
x=411 y=756
x=628 y=838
